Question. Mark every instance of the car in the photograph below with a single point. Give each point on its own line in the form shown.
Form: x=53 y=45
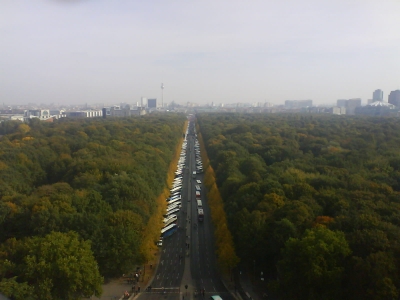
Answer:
x=159 y=243
x=216 y=297
x=198 y=181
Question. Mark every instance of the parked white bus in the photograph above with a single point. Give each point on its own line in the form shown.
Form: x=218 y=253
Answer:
x=170 y=221
x=178 y=188
x=174 y=211
x=174 y=201
x=170 y=217
x=174 y=206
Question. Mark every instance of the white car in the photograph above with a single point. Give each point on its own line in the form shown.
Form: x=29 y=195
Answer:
x=198 y=181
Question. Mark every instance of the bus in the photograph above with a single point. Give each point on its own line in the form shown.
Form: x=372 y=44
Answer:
x=178 y=188
x=169 y=230
x=170 y=217
x=172 y=212
x=170 y=221
x=176 y=195
x=200 y=214
x=173 y=206
x=174 y=201
x=199 y=203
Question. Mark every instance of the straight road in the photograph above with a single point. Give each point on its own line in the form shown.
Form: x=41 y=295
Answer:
x=188 y=256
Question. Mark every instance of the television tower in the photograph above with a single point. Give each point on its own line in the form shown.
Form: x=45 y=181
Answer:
x=162 y=95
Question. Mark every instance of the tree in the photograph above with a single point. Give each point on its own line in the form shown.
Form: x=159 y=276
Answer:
x=312 y=266
x=57 y=266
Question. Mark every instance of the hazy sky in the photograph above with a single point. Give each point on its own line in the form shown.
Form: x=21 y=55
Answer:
x=109 y=51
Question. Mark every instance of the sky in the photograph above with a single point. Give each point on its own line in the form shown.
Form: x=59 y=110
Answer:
x=108 y=51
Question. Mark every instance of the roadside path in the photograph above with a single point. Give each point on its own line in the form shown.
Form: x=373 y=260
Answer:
x=115 y=289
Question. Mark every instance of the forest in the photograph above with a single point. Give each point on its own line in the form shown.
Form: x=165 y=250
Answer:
x=77 y=198
x=312 y=201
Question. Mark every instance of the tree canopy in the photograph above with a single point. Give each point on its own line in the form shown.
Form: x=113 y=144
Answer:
x=284 y=177
x=93 y=183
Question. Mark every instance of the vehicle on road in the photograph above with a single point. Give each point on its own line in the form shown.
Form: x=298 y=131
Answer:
x=169 y=230
x=170 y=217
x=171 y=221
x=174 y=200
x=172 y=212
x=178 y=188
x=194 y=174
x=216 y=297
x=174 y=206
x=199 y=204
x=200 y=215
x=198 y=195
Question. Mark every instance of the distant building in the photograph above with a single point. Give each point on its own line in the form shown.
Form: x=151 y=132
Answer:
x=341 y=103
x=143 y=102
x=349 y=104
x=394 y=98
x=293 y=104
x=377 y=108
x=126 y=111
x=352 y=104
x=37 y=113
x=377 y=95
x=84 y=114
x=152 y=103
x=336 y=110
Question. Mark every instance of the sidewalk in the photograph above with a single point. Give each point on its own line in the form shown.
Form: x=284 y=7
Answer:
x=115 y=289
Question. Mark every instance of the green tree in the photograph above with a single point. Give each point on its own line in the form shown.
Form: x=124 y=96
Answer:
x=312 y=266
x=56 y=266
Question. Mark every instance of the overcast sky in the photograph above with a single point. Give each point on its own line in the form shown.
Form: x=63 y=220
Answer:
x=108 y=51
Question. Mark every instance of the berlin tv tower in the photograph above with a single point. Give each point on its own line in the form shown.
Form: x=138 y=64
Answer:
x=162 y=95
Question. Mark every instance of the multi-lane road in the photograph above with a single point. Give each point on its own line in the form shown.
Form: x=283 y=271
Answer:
x=188 y=261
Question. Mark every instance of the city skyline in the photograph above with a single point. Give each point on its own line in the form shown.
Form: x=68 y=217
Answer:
x=71 y=52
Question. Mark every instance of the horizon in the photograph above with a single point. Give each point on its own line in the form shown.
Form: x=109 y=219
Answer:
x=86 y=51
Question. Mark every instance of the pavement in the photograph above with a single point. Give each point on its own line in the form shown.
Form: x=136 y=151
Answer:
x=245 y=289
x=115 y=289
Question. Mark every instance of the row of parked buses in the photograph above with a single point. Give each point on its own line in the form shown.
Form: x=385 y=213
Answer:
x=199 y=169
x=175 y=199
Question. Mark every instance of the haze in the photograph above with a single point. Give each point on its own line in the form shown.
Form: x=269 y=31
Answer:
x=103 y=51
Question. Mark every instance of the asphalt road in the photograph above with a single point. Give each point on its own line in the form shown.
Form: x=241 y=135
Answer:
x=188 y=256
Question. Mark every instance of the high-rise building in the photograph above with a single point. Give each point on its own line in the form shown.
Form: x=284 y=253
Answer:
x=377 y=95
x=394 y=97
x=341 y=103
x=152 y=103
x=143 y=102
